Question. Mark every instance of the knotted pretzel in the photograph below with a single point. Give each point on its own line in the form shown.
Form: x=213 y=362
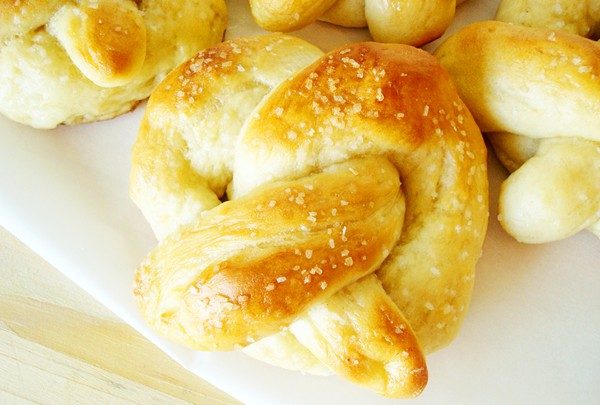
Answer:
x=537 y=93
x=580 y=17
x=413 y=22
x=71 y=61
x=356 y=207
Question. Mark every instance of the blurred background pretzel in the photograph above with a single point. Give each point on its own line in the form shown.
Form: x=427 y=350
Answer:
x=580 y=17
x=76 y=61
x=413 y=22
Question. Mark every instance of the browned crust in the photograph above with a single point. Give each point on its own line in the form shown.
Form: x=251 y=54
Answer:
x=280 y=249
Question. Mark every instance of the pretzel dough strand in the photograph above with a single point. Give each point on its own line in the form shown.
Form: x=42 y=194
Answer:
x=182 y=166
x=276 y=251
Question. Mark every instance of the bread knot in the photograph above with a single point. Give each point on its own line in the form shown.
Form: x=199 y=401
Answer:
x=537 y=94
x=324 y=212
x=576 y=17
x=73 y=61
x=413 y=22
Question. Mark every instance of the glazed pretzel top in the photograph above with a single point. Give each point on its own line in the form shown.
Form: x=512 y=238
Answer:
x=413 y=22
x=80 y=60
x=538 y=93
x=314 y=249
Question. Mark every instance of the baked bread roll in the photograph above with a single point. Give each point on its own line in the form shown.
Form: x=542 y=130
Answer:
x=356 y=207
x=537 y=95
x=86 y=60
x=413 y=22
x=580 y=17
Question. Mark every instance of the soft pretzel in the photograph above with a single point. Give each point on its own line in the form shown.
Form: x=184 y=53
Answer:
x=357 y=206
x=581 y=17
x=413 y=22
x=537 y=93
x=72 y=61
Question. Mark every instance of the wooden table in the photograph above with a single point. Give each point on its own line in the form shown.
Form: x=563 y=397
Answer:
x=58 y=345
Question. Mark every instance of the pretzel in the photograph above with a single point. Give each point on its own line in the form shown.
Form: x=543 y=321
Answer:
x=75 y=61
x=580 y=17
x=356 y=207
x=413 y=22
x=537 y=93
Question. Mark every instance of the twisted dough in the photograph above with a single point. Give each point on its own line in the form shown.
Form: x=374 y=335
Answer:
x=76 y=61
x=538 y=94
x=320 y=256
x=413 y=22
x=581 y=17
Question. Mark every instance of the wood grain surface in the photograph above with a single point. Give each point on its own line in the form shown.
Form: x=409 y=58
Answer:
x=58 y=345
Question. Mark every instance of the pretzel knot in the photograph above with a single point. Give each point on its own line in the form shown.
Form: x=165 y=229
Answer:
x=537 y=92
x=74 y=61
x=357 y=206
x=413 y=22
x=577 y=17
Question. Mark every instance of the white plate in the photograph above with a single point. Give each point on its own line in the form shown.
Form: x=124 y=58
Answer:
x=532 y=332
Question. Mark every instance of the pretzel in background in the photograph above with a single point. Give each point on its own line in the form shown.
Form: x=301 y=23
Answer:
x=77 y=61
x=536 y=93
x=412 y=22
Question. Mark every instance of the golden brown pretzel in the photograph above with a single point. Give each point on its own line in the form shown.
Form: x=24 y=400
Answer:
x=313 y=256
x=537 y=92
x=65 y=61
x=413 y=22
